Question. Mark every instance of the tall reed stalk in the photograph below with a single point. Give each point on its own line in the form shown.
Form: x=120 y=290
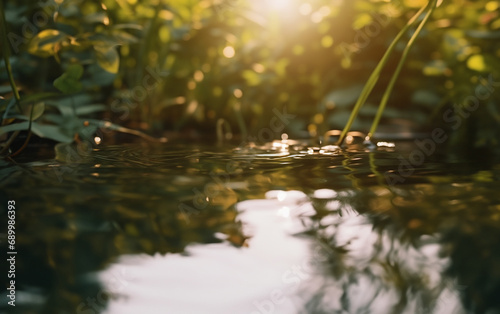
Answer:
x=372 y=80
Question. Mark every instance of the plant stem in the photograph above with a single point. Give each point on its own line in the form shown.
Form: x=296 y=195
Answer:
x=29 y=134
x=241 y=121
x=372 y=80
x=8 y=67
x=143 y=62
x=390 y=87
x=6 y=55
x=221 y=135
x=9 y=142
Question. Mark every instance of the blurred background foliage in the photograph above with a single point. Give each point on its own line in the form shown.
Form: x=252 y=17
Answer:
x=179 y=67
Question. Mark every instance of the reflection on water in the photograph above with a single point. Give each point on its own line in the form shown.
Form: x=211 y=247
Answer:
x=218 y=278
x=279 y=228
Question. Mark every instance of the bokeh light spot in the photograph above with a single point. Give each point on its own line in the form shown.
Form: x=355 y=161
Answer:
x=327 y=41
x=228 y=52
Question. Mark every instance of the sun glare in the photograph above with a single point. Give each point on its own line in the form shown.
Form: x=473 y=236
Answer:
x=279 y=4
x=281 y=7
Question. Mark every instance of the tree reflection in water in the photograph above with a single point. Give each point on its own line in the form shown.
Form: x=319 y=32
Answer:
x=409 y=249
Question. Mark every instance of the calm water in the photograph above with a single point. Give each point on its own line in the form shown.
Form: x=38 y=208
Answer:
x=283 y=228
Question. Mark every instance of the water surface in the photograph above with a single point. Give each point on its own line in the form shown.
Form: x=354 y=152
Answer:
x=277 y=228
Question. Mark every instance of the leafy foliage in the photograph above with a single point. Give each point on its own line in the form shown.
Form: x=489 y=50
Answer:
x=166 y=65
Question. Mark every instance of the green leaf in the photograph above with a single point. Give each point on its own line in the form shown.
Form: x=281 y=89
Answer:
x=14 y=127
x=8 y=107
x=68 y=82
x=66 y=104
x=108 y=58
x=52 y=132
x=90 y=109
x=75 y=71
x=67 y=85
x=114 y=38
x=38 y=110
x=45 y=43
x=103 y=40
x=98 y=17
x=27 y=99
x=128 y=26
x=54 y=118
x=123 y=37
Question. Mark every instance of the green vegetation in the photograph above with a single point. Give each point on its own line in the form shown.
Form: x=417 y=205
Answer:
x=376 y=73
x=73 y=69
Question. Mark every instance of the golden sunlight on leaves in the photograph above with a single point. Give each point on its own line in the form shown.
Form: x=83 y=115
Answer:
x=477 y=63
x=46 y=43
x=108 y=58
x=492 y=6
